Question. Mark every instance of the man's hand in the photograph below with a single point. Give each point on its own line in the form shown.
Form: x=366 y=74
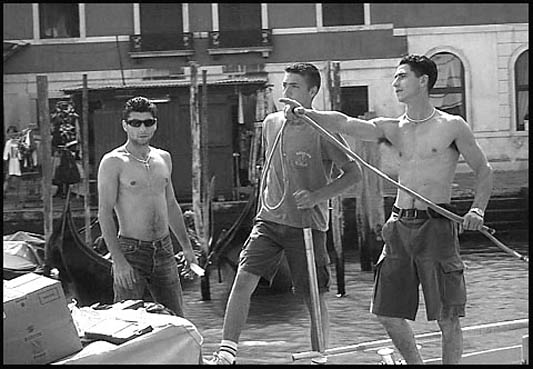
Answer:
x=123 y=273
x=293 y=109
x=472 y=221
x=189 y=255
x=304 y=199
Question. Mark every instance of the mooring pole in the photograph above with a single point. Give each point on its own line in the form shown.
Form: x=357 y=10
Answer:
x=196 y=164
x=206 y=188
x=334 y=84
x=85 y=154
x=46 y=147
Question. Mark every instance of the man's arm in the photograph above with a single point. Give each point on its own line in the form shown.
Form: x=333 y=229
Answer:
x=351 y=174
x=175 y=218
x=477 y=161
x=108 y=183
x=338 y=122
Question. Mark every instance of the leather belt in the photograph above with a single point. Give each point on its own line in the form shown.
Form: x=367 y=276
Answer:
x=156 y=243
x=410 y=213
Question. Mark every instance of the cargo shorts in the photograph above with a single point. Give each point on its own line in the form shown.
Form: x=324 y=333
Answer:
x=263 y=251
x=419 y=252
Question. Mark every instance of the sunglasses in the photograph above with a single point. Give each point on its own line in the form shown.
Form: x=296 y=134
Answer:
x=137 y=123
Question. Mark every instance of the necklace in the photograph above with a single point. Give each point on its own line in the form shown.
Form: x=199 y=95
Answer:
x=145 y=161
x=421 y=120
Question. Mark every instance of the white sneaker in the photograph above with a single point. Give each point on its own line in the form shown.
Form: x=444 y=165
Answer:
x=217 y=359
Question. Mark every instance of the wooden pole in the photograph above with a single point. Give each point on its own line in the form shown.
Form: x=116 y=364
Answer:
x=196 y=163
x=336 y=203
x=206 y=187
x=46 y=147
x=204 y=160
x=85 y=154
x=255 y=142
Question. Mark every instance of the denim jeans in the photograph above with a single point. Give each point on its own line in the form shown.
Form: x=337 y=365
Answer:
x=155 y=268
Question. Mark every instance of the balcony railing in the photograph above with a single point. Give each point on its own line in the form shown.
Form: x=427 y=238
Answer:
x=240 y=41
x=154 y=44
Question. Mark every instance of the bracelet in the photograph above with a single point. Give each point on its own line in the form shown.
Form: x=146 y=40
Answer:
x=477 y=211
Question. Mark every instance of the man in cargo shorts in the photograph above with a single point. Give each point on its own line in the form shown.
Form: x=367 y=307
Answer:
x=421 y=247
x=297 y=185
x=134 y=180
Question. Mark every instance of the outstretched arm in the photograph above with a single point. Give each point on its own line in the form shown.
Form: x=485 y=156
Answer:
x=336 y=122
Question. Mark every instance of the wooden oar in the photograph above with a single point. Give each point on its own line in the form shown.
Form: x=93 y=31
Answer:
x=444 y=212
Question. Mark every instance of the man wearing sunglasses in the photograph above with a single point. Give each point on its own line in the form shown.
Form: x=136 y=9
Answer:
x=134 y=180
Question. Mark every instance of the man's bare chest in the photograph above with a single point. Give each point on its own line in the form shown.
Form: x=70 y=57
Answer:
x=424 y=141
x=144 y=180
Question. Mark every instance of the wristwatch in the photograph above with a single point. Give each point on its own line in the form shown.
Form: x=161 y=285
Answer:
x=477 y=211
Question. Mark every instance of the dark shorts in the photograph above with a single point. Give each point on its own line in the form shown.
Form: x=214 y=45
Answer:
x=419 y=252
x=268 y=242
x=155 y=268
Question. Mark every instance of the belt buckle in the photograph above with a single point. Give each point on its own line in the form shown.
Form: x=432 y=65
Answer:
x=411 y=213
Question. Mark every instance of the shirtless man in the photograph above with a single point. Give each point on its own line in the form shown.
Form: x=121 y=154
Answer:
x=421 y=247
x=134 y=180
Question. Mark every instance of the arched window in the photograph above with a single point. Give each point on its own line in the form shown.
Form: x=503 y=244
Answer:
x=448 y=94
x=521 y=71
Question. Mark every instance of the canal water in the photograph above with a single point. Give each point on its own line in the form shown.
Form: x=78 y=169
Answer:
x=278 y=324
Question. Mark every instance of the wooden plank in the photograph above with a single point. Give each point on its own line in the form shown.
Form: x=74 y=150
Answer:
x=46 y=147
x=85 y=155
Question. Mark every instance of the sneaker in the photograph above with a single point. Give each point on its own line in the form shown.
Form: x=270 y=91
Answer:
x=218 y=360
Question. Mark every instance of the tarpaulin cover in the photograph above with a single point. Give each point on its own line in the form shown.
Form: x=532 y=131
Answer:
x=174 y=340
x=21 y=252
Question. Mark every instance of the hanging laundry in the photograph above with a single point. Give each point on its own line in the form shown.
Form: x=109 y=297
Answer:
x=13 y=155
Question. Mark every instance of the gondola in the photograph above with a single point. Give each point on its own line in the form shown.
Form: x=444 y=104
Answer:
x=81 y=268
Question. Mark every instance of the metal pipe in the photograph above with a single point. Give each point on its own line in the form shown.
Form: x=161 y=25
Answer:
x=478 y=330
x=444 y=212
x=316 y=316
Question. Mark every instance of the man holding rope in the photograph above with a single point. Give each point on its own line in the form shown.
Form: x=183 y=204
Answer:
x=421 y=246
x=295 y=187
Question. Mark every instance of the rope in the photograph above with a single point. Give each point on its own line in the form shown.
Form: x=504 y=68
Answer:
x=277 y=141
